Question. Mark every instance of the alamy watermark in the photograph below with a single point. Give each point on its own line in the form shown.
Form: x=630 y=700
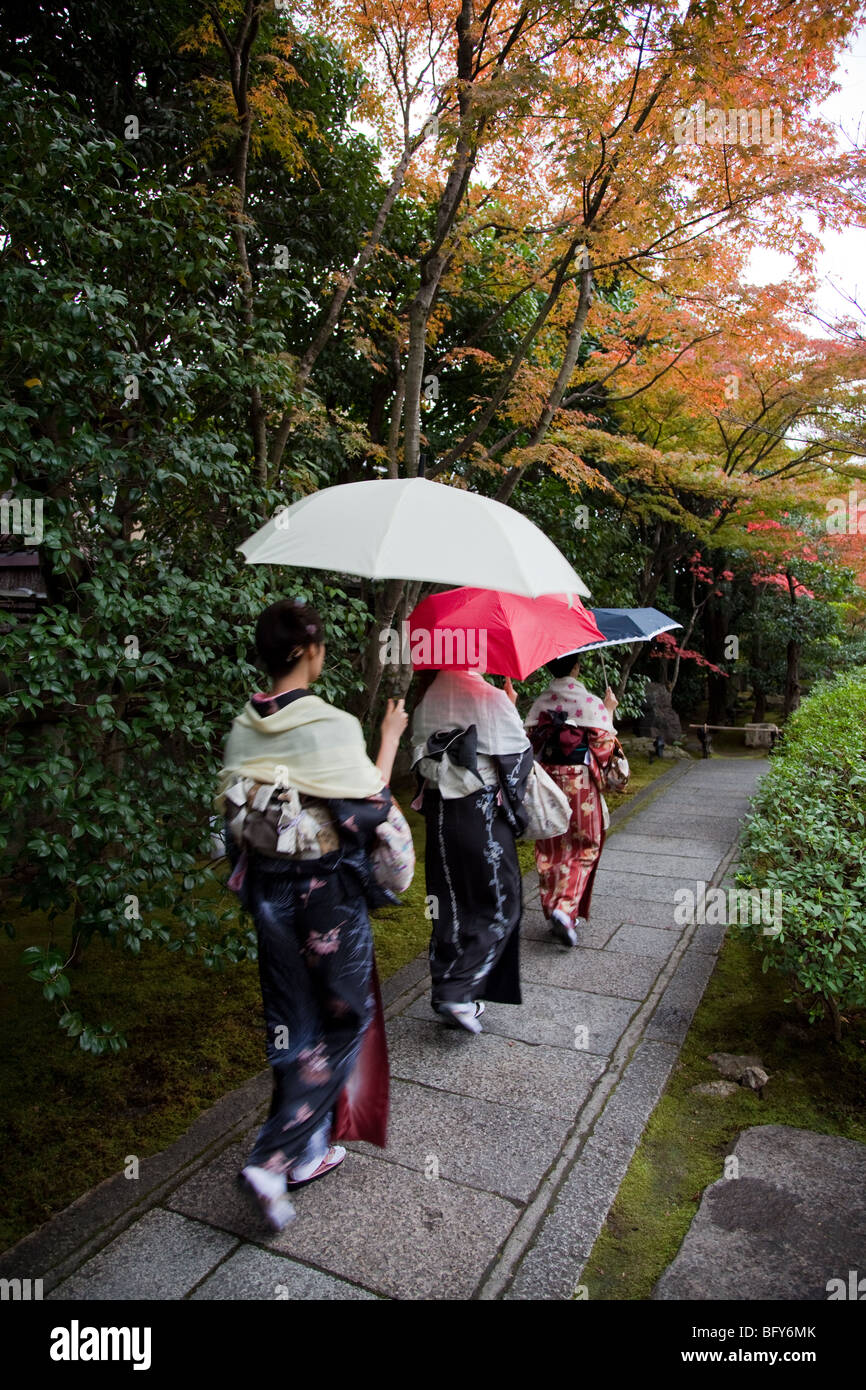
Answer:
x=730 y=126
x=21 y=1290
x=846 y=516
x=854 y=1289
x=717 y=907
x=22 y=517
x=434 y=649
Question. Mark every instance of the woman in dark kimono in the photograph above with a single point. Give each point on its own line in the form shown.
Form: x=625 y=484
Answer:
x=472 y=758
x=301 y=864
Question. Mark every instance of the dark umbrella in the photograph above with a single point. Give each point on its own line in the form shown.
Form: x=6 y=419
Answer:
x=626 y=625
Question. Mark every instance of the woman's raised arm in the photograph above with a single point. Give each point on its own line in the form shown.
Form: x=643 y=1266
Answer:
x=392 y=727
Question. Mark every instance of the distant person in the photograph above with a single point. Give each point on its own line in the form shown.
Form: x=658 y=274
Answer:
x=473 y=757
x=573 y=737
x=302 y=867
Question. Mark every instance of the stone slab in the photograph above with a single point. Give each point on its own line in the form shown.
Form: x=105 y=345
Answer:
x=535 y=927
x=389 y=1228
x=642 y=887
x=713 y=801
x=550 y=1017
x=618 y=975
x=699 y=826
x=676 y=866
x=406 y=978
x=253 y=1273
x=644 y=941
x=683 y=844
x=552 y=1080
x=640 y=912
x=497 y=1148
x=792 y=1222
x=550 y=1268
x=676 y=1008
x=161 y=1256
x=709 y=938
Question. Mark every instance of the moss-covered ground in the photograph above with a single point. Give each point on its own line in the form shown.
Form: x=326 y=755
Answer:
x=814 y=1084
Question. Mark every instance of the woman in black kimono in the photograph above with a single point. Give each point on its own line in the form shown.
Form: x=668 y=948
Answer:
x=301 y=864
x=472 y=758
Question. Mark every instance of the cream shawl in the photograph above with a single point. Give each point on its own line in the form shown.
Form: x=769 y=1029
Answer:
x=576 y=703
x=308 y=744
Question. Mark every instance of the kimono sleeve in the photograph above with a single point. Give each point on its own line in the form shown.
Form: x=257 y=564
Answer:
x=602 y=744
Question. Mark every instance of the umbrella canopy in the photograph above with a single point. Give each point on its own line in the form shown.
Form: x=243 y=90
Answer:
x=624 y=625
x=412 y=528
x=504 y=634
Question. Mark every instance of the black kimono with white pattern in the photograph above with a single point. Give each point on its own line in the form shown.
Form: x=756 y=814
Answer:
x=473 y=876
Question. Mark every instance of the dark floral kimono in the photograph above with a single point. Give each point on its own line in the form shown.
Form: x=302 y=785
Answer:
x=323 y=1012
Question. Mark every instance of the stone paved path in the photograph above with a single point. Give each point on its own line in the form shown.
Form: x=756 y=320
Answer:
x=506 y=1150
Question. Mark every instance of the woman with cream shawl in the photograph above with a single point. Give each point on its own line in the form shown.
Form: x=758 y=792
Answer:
x=472 y=758
x=308 y=887
x=573 y=737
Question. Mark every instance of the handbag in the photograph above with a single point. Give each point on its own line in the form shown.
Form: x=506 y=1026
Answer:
x=614 y=776
x=393 y=855
x=546 y=806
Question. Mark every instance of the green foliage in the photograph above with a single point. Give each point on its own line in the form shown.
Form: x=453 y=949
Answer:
x=807 y=838
x=117 y=695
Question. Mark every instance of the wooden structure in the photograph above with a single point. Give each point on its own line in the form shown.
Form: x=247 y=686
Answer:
x=757 y=735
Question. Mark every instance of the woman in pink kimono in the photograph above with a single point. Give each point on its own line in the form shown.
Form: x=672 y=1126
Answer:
x=573 y=737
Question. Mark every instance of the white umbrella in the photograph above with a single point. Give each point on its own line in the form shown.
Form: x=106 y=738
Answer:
x=412 y=528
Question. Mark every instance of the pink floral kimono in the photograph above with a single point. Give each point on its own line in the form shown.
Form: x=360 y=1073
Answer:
x=573 y=737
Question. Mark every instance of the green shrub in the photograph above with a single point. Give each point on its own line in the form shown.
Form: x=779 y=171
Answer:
x=117 y=695
x=807 y=838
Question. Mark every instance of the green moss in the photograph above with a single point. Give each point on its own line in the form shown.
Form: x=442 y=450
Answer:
x=814 y=1085
x=643 y=773
x=401 y=932
x=70 y=1118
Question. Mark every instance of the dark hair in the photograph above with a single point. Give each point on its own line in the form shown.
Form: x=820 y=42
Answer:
x=283 y=632
x=563 y=665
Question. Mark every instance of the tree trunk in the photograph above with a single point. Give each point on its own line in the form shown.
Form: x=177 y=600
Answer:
x=792 y=654
x=634 y=652
x=384 y=608
x=792 y=677
x=718 y=687
x=835 y=1017
x=759 y=690
x=419 y=315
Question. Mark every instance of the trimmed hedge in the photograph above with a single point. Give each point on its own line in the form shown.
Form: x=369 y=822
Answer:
x=807 y=837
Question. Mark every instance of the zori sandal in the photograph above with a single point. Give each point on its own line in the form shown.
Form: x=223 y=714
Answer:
x=462 y=1015
x=333 y=1158
x=267 y=1190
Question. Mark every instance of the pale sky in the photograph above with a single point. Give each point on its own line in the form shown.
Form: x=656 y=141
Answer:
x=844 y=260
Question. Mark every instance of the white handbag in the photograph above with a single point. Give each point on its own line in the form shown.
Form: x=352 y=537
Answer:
x=546 y=805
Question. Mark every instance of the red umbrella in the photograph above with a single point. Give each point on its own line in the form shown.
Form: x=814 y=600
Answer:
x=503 y=634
